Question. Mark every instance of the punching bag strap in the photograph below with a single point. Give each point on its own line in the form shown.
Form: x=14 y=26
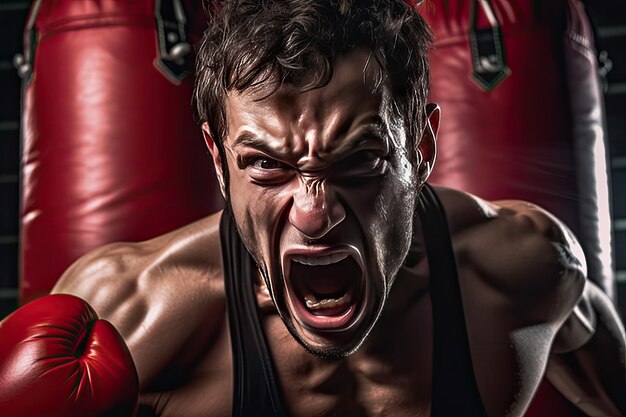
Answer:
x=25 y=63
x=487 y=47
x=174 y=50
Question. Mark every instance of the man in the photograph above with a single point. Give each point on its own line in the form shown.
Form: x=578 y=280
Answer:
x=337 y=282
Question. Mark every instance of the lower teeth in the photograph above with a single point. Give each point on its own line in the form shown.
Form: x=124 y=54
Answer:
x=326 y=303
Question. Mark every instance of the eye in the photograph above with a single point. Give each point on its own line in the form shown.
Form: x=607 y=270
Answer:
x=264 y=170
x=360 y=168
x=363 y=163
x=266 y=163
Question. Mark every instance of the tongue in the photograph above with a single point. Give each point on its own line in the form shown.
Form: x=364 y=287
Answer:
x=326 y=281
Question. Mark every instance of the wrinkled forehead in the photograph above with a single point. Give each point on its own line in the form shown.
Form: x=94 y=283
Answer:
x=351 y=100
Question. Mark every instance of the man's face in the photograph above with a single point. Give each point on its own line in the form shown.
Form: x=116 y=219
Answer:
x=323 y=193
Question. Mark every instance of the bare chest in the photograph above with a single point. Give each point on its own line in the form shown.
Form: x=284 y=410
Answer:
x=389 y=376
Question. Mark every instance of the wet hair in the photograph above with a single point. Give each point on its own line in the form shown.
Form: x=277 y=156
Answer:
x=275 y=43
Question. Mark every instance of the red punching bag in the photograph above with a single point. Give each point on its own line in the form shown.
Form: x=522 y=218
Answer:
x=522 y=112
x=110 y=148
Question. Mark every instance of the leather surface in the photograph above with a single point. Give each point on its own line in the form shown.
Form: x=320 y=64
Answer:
x=586 y=106
x=110 y=148
x=513 y=141
x=58 y=360
x=537 y=136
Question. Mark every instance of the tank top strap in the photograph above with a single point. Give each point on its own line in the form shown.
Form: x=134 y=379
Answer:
x=255 y=389
x=454 y=388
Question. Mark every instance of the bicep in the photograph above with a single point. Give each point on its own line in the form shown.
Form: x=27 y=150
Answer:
x=531 y=269
x=531 y=259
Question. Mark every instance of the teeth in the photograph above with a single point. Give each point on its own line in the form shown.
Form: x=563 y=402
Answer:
x=326 y=303
x=320 y=260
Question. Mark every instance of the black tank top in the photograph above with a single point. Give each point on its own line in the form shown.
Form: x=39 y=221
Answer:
x=256 y=393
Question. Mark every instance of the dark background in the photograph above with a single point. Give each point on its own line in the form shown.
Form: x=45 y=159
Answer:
x=608 y=18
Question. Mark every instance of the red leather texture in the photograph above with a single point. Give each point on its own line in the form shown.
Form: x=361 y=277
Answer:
x=586 y=107
x=539 y=134
x=58 y=360
x=513 y=141
x=110 y=148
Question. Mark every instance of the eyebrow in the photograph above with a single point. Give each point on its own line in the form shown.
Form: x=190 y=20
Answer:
x=371 y=132
x=250 y=140
x=365 y=134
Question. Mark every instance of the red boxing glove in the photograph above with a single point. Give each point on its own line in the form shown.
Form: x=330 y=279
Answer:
x=57 y=359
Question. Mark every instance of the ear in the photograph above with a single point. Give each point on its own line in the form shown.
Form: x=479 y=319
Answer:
x=427 y=148
x=215 y=154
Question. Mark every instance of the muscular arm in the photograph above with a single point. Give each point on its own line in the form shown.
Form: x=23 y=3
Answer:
x=587 y=356
x=588 y=360
x=158 y=294
x=521 y=274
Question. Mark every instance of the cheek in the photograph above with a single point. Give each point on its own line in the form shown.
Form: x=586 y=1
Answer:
x=360 y=197
x=384 y=206
x=257 y=211
x=392 y=227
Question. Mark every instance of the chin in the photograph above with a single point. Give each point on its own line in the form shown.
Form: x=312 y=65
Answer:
x=339 y=345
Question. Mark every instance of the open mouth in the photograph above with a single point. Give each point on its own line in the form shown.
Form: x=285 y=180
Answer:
x=326 y=290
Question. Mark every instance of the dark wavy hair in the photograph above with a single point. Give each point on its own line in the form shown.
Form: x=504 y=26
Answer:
x=252 y=43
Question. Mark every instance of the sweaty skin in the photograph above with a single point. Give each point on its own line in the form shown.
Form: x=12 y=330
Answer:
x=328 y=172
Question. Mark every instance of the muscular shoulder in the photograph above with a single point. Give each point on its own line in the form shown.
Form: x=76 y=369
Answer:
x=519 y=250
x=157 y=293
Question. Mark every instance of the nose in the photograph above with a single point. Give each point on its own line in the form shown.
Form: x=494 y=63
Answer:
x=316 y=209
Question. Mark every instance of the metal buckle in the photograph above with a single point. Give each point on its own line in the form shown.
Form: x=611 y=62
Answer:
x=487 y=47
